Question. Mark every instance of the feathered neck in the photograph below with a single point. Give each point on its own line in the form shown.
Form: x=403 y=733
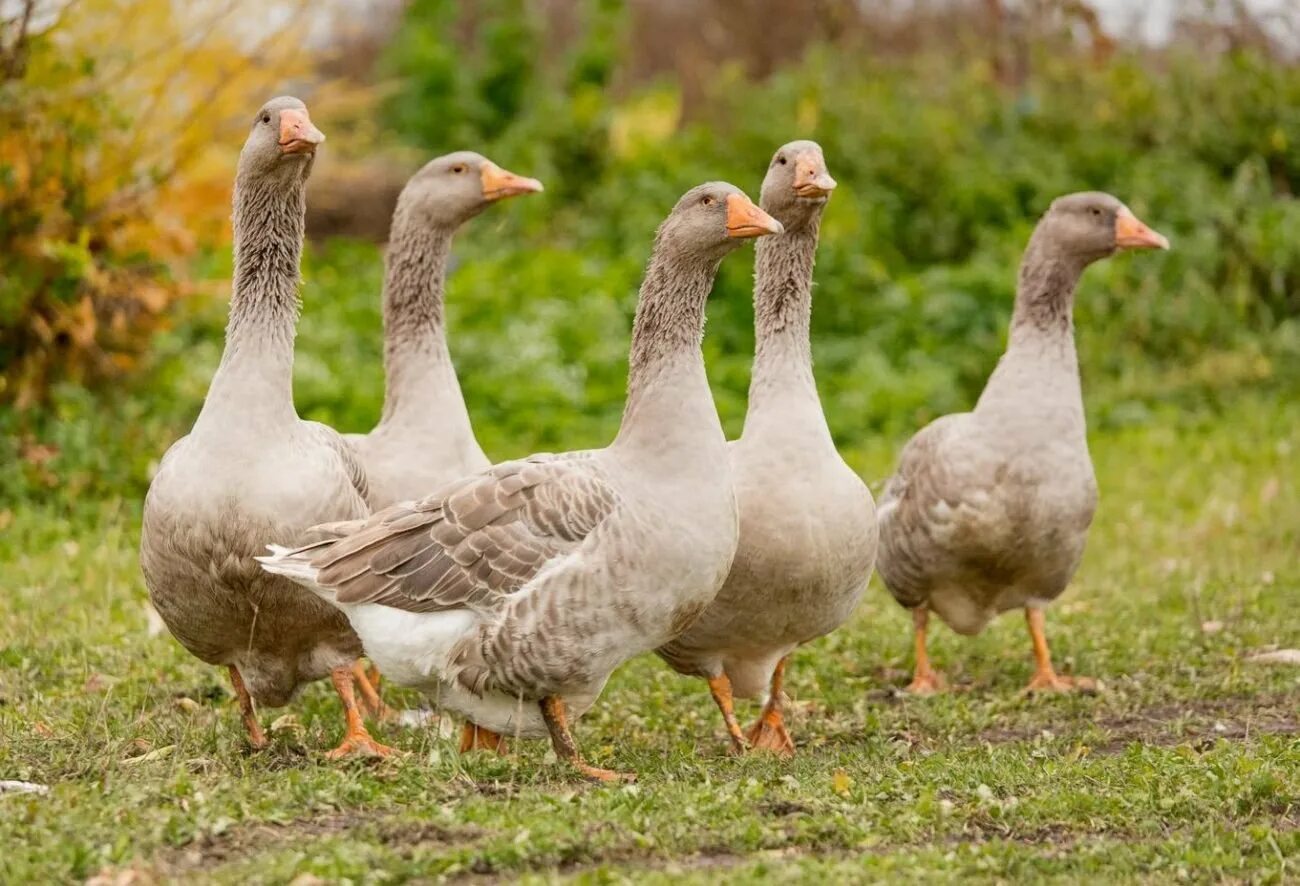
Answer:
x=1037 y=378
x=783 y=273
x=256 y=372
x=415 y=338
x=667 y=385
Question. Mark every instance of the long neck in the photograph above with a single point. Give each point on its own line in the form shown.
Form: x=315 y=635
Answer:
x=782 y=374
x=256 y=372
x=417 y=363
x=1038 y=375
x=667 y=390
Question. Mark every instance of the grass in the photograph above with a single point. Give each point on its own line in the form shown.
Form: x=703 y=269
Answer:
x=1187 y=766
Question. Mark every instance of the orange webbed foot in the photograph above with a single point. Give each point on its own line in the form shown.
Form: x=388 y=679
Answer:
x=257 y=739
x=1052 y=682
x=604 y=776
x=557 y=723
x=476 y=738
x=770 y=734
x=360 y=746
x=356 y=740
x=1045 y=678
x=720 y=689
x=927 y=683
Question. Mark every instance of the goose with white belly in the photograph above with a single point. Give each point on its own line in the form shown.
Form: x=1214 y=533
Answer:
x=512 y=594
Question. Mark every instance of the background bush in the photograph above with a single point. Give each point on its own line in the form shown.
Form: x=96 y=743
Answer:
x=944 y=161
x=113 y=171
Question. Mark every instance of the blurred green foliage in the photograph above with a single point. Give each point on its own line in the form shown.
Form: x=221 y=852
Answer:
x=942 y=169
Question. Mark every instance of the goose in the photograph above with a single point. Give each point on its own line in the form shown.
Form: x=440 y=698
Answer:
x=511 y=595
x=989 y=510
x=424 y=437
x=807 y=521
x=251 y=470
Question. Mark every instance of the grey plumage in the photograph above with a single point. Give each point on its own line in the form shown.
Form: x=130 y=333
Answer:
x=807 y=522
x=989 y=510
x=536 y=578
x=424 y=437
x=250 y=470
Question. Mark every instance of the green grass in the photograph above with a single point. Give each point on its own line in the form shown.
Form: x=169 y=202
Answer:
x=1187 y=766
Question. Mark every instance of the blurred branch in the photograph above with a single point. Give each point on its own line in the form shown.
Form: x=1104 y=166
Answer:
x=161 y=159
x=162 y=48
x=14 y=57
x=124 y=197
x=184 y=61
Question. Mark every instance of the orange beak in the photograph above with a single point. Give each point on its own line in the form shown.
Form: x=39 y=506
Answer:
x=810 y=176
x=1130 y=233
x=499 y=183
x=745 y=220
x=297 y=135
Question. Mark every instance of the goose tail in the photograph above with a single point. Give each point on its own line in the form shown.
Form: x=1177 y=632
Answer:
x=294 y=563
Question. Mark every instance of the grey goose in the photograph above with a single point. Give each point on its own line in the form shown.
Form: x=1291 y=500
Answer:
x=511 y=595
x=807 y=521
x=989 y=510
x=251 y=470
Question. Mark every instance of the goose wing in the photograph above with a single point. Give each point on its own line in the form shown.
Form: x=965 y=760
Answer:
x=471 y=543
x=946 y=505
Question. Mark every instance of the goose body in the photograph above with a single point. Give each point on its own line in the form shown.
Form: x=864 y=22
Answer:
x=807 y=521
x=799 y=572
x=209 y=509
x=989 y=510
x=987 y=514
x=561 y=629
x=406 y=459
x=512 y=594
x=251 y=470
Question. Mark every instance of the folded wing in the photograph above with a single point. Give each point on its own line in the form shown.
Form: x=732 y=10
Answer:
x=470 y=544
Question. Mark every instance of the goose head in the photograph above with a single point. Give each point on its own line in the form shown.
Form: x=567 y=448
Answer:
x=452 y=189
x=1092 y=225
x=797 y=184
x=711 y=220
x=282 y=143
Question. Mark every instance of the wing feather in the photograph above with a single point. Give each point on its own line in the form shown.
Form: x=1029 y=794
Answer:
x=473 y=542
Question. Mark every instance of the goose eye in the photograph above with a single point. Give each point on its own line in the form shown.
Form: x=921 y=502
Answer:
x=707 y=201
x=266 y=118
x=1095 y=211
x=781 y=160
x=458 y=169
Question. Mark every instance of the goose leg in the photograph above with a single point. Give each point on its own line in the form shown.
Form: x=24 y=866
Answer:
x=370 y=701
x=248 y=713
x=720 y=687
x=926 y=680
x=475 y=738
x=566 y=749
x=1045 y=678
x=769 y=733
x=356 y=740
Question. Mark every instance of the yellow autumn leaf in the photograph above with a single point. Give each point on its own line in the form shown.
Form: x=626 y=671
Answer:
x=841 y=782
x=135 y=108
